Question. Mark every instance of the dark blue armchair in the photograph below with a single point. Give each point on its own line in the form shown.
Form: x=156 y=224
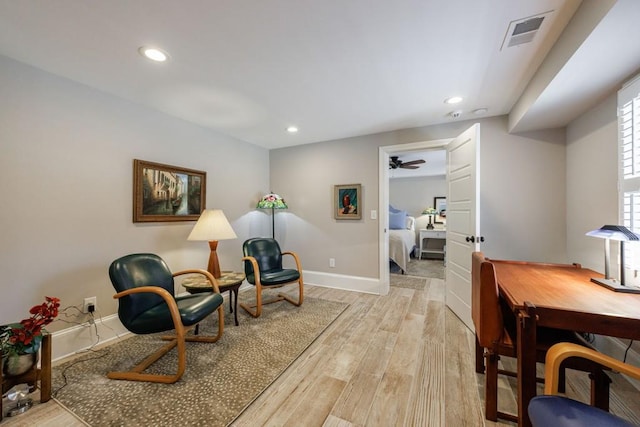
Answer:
x=147 y=304
x=263 y=268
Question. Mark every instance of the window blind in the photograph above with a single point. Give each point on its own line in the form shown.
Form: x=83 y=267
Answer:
x=629 y=166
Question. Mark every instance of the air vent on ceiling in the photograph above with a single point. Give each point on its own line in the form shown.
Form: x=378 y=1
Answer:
x=523 y=30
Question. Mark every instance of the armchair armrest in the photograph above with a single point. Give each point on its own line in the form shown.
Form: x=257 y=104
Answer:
x=561 y=351
x=296 y=259
x=209 y=276
x=168 y=299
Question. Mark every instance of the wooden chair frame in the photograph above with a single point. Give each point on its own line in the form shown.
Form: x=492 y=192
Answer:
x=558 y=353
x=259 y=287
x=179 y=339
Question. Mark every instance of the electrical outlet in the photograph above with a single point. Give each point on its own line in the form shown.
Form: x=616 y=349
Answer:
x=332 y=262
x=90 y=301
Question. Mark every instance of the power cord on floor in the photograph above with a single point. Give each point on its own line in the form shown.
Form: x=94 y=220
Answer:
x=99 y=353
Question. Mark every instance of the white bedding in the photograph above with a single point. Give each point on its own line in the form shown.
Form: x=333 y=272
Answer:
x=401 y=244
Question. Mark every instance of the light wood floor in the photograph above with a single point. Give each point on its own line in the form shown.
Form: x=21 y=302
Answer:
x=399 y=360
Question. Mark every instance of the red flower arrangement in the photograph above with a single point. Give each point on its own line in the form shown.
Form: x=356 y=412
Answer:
x=25 y=337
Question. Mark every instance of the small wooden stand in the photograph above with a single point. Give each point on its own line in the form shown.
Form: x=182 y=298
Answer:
x=33 y=375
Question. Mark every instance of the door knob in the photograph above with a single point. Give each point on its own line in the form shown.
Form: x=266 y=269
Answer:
x=470 y=239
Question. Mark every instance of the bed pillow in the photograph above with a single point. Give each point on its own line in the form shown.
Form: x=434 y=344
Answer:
x=394 y=210
x=398 y=221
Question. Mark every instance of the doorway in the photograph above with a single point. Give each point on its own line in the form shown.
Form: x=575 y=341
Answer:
x=385 y=154
x=417 y=180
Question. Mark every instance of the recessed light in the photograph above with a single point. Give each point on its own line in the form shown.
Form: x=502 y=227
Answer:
x=479 y=111
x=153 y=53
x=453 y=100
x=292 y=129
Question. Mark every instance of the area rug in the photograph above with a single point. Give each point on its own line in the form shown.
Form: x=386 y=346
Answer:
x=220 y=381
x=431 y=268
x=406 y=281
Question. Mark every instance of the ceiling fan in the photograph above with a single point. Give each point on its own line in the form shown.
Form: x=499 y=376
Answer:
x=395 y=163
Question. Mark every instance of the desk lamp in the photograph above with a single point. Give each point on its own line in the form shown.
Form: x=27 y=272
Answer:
x=621 y=234
x=272 y=201
x=212 y=226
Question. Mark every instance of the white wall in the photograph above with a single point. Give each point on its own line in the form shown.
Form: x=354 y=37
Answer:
x=592 y=198
x=66 y=169
x=592 y=177
x=415 y=195
x=522 y=196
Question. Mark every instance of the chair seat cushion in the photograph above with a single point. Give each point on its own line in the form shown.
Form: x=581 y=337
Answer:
x=558 y=411
x=193 y=309
x=275 y=277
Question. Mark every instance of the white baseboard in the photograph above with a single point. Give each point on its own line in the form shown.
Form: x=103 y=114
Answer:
x=340 y=281
x=77 y=338
x=615 y=347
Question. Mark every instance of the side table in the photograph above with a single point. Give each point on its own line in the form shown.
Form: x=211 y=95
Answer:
x=229 y=281
x=32 y=376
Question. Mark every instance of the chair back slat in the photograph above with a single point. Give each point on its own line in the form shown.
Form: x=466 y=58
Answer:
x=485 y=301
x=266 y=252
x=136 y=270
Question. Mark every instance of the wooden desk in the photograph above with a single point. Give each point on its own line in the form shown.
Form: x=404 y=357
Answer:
x=564 y=298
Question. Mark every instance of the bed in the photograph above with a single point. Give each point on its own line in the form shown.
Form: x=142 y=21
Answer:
x=402 y=241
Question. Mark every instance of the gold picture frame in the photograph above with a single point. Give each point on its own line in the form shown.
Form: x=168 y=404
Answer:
x=347 y=201
x=167 y=193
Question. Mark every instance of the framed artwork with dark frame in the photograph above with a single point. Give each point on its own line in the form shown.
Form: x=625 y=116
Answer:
x=347 y=201
x=167 y=193
x=440 y=205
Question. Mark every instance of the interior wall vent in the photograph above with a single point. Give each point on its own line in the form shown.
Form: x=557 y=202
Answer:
x=523 y=31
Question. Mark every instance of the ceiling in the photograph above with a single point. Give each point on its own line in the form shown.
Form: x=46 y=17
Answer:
x=333 y=68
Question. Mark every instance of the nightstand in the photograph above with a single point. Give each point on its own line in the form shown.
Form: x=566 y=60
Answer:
x=429 y=235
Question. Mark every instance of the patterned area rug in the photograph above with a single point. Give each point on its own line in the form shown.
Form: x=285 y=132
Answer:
x=220 y=381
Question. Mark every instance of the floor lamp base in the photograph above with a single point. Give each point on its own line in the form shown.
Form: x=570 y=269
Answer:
x=616 y=286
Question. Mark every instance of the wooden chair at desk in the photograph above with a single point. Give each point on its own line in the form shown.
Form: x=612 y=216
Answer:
x=560 y=411
x=495 y=337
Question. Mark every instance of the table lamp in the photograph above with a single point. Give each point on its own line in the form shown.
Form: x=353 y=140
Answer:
x=430 y=212
x=212 y=226
x=621 y=234
x=272 y=201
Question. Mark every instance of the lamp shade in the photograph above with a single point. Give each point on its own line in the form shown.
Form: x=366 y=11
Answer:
x=212 y=225
x=272 y=201
x=621 y=234
x=614 y=232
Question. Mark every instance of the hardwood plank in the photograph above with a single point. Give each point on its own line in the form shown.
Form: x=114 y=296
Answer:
x=315 y=404
x=357 y=397
x=427 y=404
x=389 y=405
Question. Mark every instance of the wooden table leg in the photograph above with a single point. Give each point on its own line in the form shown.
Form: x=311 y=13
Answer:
x=233 y=296
x=526 y=364
x=45 y=369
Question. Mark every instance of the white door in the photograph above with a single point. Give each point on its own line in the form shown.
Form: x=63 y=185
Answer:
x=463 y=219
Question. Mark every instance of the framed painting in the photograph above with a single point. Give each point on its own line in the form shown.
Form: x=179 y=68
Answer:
x=440 y=205
x=347 y=201
x=167 y=193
